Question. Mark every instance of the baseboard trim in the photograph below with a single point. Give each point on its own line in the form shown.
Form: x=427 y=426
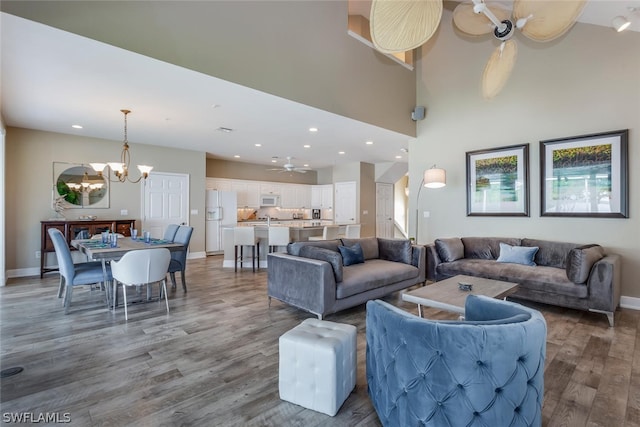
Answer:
x=228 y=263
x=23 y=272
x=196 y=255
x=632 y=303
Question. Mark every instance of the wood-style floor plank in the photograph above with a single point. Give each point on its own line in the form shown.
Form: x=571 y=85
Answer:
x=213 y=360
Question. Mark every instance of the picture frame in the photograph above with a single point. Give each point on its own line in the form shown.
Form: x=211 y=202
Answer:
x=68 y=191
x=585 y=176
x=498 y=181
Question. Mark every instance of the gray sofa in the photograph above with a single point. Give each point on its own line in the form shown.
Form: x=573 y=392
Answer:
x=313 y=277
x=565 y=274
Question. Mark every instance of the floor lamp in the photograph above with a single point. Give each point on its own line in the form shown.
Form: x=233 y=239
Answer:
x=432 y=178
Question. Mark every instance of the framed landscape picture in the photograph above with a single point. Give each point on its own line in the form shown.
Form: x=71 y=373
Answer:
x=498 y=181
x=585 y=176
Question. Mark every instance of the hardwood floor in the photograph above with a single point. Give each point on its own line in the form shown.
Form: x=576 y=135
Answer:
x=214 y=359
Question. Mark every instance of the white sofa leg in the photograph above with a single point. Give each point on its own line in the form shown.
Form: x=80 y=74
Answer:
x=610 y=315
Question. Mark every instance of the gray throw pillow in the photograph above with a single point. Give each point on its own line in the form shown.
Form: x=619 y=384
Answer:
x=580 y=261
x=517 y=254
x=333 y=258
x=449 y=249
x=369 y=246
x=398 y=250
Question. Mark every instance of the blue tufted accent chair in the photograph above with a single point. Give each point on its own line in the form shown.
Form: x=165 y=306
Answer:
x=484 y=371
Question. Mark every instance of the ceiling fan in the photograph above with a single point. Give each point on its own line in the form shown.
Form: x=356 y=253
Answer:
x=398 y=26
x=290 y=167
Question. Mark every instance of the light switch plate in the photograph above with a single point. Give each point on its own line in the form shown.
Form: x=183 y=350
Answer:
x=194 y=211
x=124 y=212
x=426 y=214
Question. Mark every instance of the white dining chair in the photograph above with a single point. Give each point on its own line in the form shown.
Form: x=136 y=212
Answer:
x=330 y=232
x=141 y=267
x=278 y=236
x=246 y=236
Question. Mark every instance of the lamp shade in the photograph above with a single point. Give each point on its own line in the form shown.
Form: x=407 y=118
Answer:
x=435 y=178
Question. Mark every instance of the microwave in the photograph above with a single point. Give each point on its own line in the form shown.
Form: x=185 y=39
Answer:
x=269 y=200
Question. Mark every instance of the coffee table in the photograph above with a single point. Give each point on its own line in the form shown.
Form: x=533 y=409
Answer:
x=446 y=295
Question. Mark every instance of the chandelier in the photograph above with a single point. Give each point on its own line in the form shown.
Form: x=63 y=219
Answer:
x=121 y=169
x=85 y=186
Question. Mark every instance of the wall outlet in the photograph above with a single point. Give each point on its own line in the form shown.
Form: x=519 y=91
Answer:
x=365 y=212
x=426 y=214
x=124 y=212
x=38 y=254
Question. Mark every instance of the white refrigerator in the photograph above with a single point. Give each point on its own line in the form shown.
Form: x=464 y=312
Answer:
x=221 y=211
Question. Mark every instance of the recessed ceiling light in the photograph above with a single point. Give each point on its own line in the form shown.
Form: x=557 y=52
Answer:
x=369 y=142
x=274 y=161
x=313 y=129
x=306 y=165
x=398 y=157
x=404 y=150
x=340 y=152
x=258 y=145
x=237 y=156
x=223 y=129
x=76 y=126
x=306 y=146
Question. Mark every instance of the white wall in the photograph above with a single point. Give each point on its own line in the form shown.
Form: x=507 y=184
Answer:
x=585 y=82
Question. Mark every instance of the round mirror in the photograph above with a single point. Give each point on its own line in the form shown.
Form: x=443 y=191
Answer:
x=81 y=186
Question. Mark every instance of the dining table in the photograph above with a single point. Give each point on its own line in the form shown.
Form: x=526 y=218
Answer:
x=96 y=250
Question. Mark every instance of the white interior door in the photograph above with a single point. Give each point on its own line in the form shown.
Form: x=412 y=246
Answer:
x=345 y=202
x=384 y=210
x=165 y=201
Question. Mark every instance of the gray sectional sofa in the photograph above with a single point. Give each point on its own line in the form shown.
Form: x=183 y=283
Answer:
x=564 y=274
x=312 y=275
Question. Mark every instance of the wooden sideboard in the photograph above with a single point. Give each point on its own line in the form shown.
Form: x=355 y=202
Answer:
x=77 y=229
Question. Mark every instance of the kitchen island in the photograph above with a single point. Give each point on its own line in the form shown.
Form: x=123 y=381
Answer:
x=297 y=233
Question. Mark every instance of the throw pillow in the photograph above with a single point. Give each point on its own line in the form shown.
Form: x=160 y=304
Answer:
x=398 y=250
x=449 y=249
x=333 y=258
x=351 y=254
x=369 y=246
x=517 y=254
x=581 y=260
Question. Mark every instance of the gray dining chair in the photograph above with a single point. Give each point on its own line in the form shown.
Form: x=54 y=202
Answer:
x=170 y=232
x=72 y=275
x=179 y=258
x=143 y=267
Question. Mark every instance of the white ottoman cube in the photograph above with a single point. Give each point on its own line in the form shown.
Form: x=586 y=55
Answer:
x=318 y=365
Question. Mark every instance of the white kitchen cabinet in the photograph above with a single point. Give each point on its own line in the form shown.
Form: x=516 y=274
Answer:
x=295 y=196
x=288 y=197
x=270 y=188
x=322 y=196
x=248 y=193
x=303 y=196
x=219 y=184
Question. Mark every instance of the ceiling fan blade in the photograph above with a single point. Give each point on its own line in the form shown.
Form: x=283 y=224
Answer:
x=401 y=25
x=476 y=24
x=498 y=69
x=549 y=19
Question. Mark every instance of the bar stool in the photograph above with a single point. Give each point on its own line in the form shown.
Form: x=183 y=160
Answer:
x=351 y=231
x=278 y=236
x=246 y=236
x=330 y=232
